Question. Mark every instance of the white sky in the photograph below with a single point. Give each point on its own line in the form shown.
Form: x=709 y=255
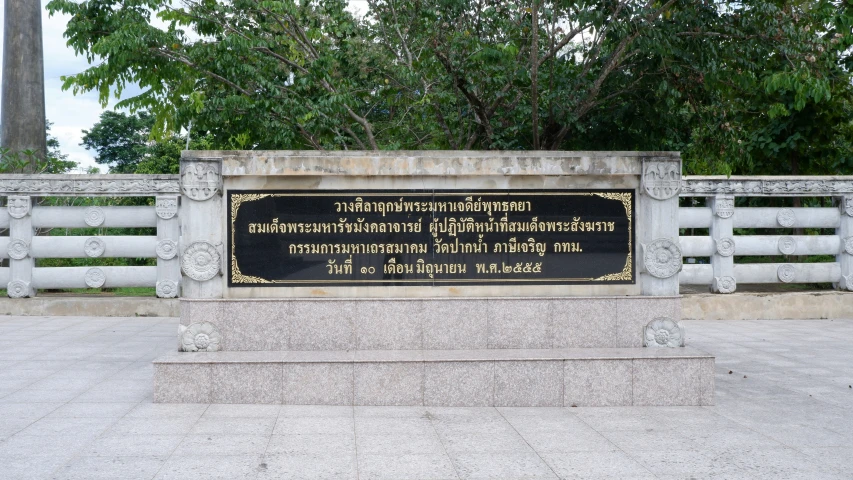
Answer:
x=71 y=114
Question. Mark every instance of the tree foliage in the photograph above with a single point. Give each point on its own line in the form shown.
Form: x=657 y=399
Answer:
x=29 y=162
x=736 y=86
x=123 y=142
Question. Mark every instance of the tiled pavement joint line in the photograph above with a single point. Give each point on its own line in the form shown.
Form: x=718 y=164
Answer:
x=269 y=440
x=355 y=434
x=77 y=454
x=443 y=445
x=556 y=475
x=616 y=446
x=177 y=445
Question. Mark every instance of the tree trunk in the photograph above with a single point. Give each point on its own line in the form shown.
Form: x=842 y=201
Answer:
x=23 y=116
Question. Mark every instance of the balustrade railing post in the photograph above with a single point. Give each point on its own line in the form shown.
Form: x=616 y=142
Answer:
x=845 y=233
x=722 y=232
x=21 y=263
x=168 y=233
x=202 y=239
x=657 y=204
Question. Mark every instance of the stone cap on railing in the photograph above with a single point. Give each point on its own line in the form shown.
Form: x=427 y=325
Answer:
x=429 y=163
x=93 y=185
x=766 y=186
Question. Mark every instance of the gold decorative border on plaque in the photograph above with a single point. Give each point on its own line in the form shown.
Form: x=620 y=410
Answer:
x=237 y=199
x=627 y=270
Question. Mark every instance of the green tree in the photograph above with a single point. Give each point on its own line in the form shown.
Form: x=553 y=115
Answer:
x=125 y=144
x=23 y=162
x=119 y=139
x=462 y=74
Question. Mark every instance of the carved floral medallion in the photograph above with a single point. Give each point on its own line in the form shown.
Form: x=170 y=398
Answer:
x=663 y=332
x=201 y=261
x=787 y=245
x=786 y=273
x=786 y=217
x=94 y=247
x=18 y=289
x=95 y=278
x=18 y=249
x=662 y=258
x=848 y=245
x=94 y=216
x=725 y=284
x=167 y=289
x=200 y=337
x=726 y=246
x=167 y=249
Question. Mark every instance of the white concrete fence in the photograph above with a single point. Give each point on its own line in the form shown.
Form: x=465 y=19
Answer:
x=722 y=245
x=23 y=214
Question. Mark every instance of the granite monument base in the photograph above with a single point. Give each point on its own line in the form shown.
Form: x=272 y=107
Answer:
x=434 y=351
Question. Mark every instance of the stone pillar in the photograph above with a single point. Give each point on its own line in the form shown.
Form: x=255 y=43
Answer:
x=23 y=117
x=657 y=226
x=722 y=232
x=168 y=236
x=21 y=263
x=202 y=222
x=845 y=232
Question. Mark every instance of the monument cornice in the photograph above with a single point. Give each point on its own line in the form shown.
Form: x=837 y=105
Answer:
x=431 y=163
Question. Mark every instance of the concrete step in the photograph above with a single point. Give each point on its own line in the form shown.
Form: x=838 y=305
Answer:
x=486 y=377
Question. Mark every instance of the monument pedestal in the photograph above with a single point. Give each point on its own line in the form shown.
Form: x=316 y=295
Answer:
x=557 y=377
x=572 y=302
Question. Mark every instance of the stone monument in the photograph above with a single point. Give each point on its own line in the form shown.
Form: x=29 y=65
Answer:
x=431 y=278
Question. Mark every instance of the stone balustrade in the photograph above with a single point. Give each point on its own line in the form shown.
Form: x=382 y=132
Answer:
x=722 y=245
x=23 y=216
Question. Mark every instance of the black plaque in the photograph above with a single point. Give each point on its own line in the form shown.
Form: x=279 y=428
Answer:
x=430 y=237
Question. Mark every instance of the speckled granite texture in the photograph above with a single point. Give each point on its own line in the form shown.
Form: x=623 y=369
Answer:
x=490 y=377
x=435 y=323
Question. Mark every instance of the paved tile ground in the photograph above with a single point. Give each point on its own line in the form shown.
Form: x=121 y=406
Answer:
x=75 y=403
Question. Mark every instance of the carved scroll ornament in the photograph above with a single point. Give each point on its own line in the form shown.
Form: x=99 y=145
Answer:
x=200 y=179
x=661 y=179
x=166 y=207
x=724 y=206
x=68 y=185
x=18 y=207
